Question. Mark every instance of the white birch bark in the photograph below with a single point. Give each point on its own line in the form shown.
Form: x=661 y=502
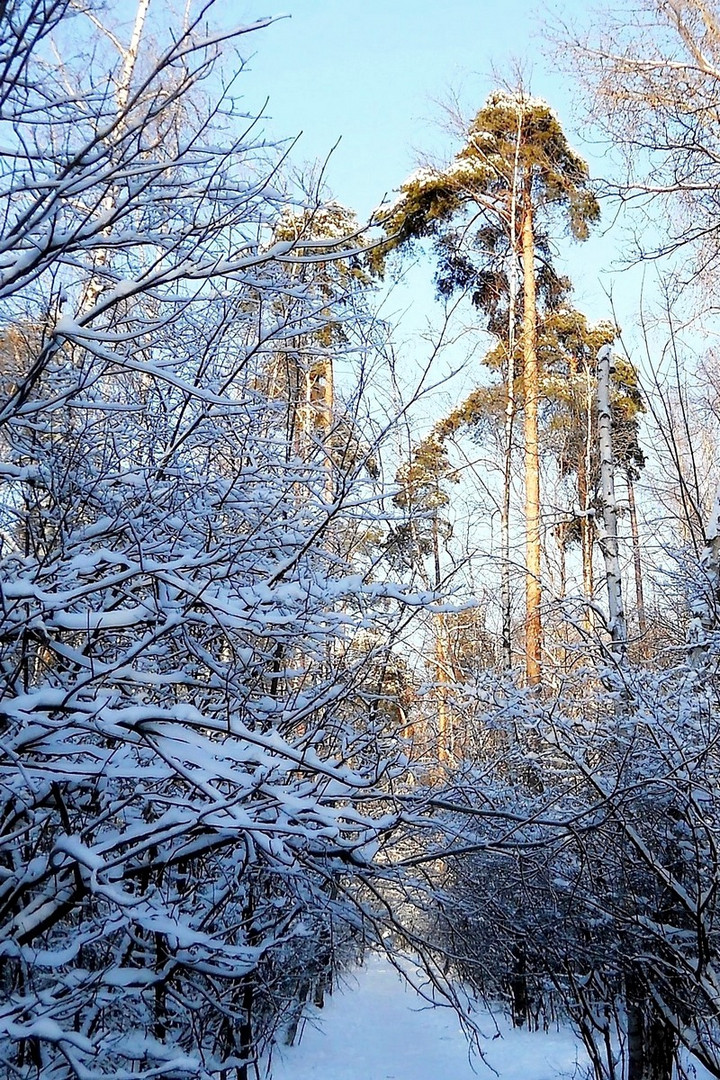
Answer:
x=129 y=57
x=704 y=606
x=710 y=563
x=609 y=536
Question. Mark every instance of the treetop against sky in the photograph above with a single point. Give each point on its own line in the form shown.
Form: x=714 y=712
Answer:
x=365 y=85
x=372 y=74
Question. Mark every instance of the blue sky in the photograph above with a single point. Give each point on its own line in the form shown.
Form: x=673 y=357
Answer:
x=371 y=73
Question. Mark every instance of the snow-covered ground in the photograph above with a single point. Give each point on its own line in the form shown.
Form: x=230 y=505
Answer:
x=377 y=1028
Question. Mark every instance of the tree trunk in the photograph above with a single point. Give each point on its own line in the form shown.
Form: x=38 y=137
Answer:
x=95 y=286
x=531 y=381
x=444 y=720
x=505 y=590
x=442 y=662
x=639 y=595
x=441 y=678
x=296 y=1016
x=587 y=527
x=586 y=524
x=651 y=1042
x=510 y=409
x=519 y=987
x=609 y=538
x=322 y=399
x=245 y=1029
x=586 y=538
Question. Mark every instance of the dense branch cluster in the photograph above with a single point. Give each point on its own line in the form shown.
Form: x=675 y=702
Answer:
x=191 y=728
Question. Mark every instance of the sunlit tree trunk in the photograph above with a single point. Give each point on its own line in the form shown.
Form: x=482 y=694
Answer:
x=322 y=394
x=442 y=680
x=587 y=527
x=505 y=591
x=531 y=381
x=510 y=409
x=322 y=397
x=444 y=723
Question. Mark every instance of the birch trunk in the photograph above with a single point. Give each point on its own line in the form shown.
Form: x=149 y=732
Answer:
x=705 y=606
x=711 y=562
x=122 y=96
x=587 y=528
x=609 y=537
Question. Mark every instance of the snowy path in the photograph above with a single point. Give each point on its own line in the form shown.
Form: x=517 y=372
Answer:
x=378 y=1029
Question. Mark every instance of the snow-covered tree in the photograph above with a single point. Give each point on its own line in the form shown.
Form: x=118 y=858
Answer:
x=580 y=861
x=192 y=757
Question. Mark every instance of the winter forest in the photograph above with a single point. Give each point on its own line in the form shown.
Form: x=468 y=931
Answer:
x=304 y=655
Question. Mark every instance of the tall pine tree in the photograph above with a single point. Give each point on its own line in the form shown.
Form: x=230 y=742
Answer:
x=491 y=212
